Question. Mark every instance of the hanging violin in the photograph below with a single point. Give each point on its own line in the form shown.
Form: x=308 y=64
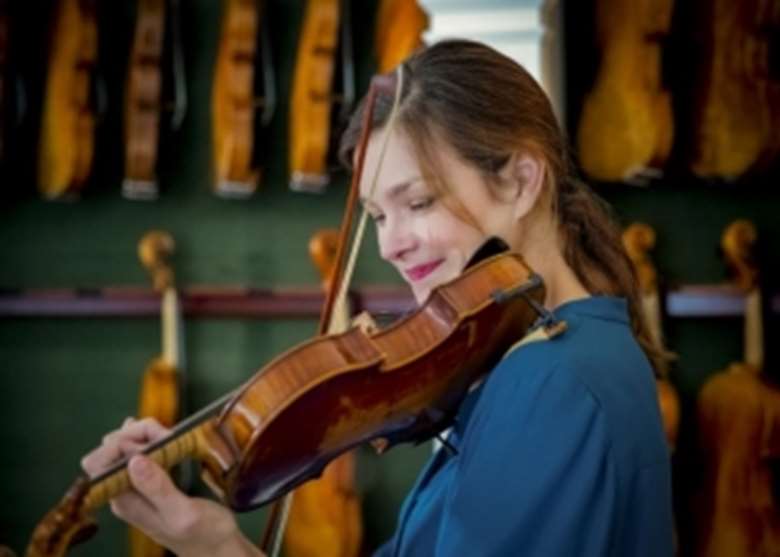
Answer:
x=739 y=420
x=736 y=112
x=639 y=239
x=324 y=515
x=326 y=37
x=626 y=127
x=67 y=140
x=399 y=28
x=162 y=385
x=244 y=39
x=144 y=104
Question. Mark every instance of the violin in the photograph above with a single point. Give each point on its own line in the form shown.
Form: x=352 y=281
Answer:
x=626 y=127
x=736 y=111
x=639 y=239
x=67 y=139
x=144 y=100
x=233 y=98
x=324 y=515
x=738 y=419
x=401 y=384
x=325 y=37
x=399 y=28
x=162 y=384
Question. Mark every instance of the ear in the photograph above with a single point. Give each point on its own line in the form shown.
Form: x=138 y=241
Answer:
x=525 y=175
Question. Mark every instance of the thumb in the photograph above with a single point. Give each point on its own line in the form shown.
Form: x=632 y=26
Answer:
x=153 y=483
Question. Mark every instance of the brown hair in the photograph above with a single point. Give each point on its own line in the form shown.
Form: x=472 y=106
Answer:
x=487 y=107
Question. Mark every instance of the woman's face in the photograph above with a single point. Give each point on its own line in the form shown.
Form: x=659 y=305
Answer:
x=418 y=234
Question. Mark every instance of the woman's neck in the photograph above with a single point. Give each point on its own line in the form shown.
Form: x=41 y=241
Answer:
x=543 y=254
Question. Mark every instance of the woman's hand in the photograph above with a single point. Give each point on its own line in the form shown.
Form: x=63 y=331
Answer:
x=186 y=525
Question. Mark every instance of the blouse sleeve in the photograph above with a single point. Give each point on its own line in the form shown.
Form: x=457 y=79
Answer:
x=535 y=475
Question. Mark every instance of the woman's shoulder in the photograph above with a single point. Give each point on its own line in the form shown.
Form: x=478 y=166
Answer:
x=595 y=367
x=596 y=345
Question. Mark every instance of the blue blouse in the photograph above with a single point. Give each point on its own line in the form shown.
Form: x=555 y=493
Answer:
x=559 y=452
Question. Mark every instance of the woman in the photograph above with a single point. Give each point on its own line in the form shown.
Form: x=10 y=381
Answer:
x=560 y=450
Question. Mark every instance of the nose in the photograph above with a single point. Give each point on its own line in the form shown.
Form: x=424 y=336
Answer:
x=396 y=241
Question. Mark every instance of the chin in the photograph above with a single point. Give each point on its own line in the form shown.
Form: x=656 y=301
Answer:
x=421 y=295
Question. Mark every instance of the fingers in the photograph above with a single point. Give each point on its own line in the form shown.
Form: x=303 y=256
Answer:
x=155 y=501
x=187 y=526
x=133 y=436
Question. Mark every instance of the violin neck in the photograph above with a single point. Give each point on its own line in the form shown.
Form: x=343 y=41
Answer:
x=189 y=439
x=651 y=306
x=754 y=330
x=174 y=451
x=171 y=329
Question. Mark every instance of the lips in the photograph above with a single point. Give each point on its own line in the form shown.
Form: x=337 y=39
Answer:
x=421 y=271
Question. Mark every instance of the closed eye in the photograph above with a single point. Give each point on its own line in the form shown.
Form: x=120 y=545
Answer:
x=378 y=218
x=422 y=204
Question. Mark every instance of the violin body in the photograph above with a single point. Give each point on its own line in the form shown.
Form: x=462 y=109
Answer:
x=626 y=124
x=738 y=101
x=143 y=101
x=312 y=99
x=324 y=518
x=68 y=122
x=399 y=29
x=233 y=101
x=739 y=427
x=402 y=384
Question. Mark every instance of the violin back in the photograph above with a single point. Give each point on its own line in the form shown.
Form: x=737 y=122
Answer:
x=739 y=426
x=399 y=28
x=626 y=124
x=312 y=100
x=68 y=120
x=233 y=101
x=143 y=101
x=736 y=106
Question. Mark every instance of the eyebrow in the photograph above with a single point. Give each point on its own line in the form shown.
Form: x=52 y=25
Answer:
x=395 y=190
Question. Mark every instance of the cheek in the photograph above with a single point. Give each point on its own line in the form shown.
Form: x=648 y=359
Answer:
x=452 y=237
x=430 y=233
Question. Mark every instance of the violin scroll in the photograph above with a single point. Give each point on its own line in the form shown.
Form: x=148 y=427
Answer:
x=737 y=244
x=638 y=241
x=63 y=526
x=323 y=247
x=154 y=249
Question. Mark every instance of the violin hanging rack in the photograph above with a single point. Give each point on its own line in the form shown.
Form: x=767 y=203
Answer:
x=226 y=302
x=687 y=301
